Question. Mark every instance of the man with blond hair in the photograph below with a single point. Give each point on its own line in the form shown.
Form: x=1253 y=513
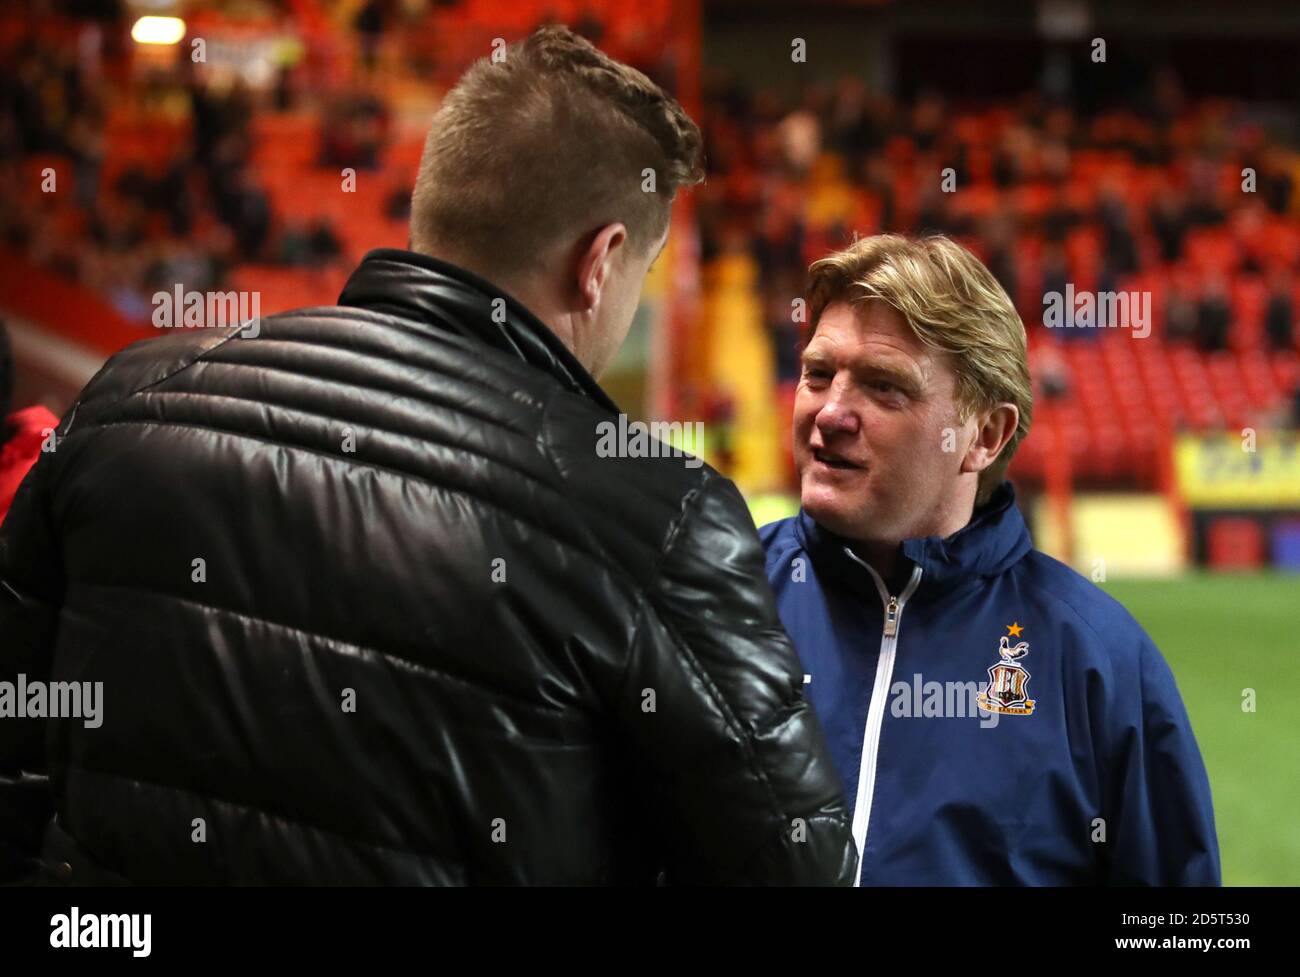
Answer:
x=995 y=718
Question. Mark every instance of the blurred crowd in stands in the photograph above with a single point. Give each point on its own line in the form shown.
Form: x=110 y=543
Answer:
x=1150 y=196
x=187 y=211
x=1192 y=201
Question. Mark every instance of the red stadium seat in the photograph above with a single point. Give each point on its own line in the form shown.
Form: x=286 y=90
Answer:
x=1235 y=543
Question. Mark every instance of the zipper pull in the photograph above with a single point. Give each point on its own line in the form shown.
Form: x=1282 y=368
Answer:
x=891 y=618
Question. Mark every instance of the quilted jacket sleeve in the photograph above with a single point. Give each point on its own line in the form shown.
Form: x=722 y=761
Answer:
x=736 y=763
x=30 y=594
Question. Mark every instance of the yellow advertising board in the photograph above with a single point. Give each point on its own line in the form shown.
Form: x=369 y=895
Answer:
x=1250 y=470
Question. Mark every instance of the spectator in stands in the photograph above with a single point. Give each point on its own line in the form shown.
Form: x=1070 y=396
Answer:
x=1008 y=165
x=851 y=131
x=1205 y=208
x=85 y=141
x=187 y=263
x=1213 y=314
x=245 y=209
x=800 y=134
x=1168 y=219
x=1060 y=217
x=161 y=189
x=1055 y=278
x=1180 y=316
x=926 y=121
x=369 y=24
x=311 y=246
x=117 y=222
x=786 y=332
x=171 y=196
x=353 y=131
x=1279 y=312
x=1118 y=242
x=997 y=232
x=1050 y=372
x=935 y=214
x=397 y=205
x=1276 y=184
x=879 y=183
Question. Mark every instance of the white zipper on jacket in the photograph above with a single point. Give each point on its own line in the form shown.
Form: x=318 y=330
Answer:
x=879 y=700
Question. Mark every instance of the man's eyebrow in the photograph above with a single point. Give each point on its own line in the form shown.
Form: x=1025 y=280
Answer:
x=885 y=367
x=906 y=378
x=814 y=354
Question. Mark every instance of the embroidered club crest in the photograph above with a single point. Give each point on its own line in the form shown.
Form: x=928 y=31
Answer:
x=1008 y=680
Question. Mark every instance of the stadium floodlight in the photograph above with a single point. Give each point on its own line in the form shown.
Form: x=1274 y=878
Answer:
x=158 y=30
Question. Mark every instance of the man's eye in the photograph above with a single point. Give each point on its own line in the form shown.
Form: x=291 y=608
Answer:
x=884 y=387
x=816 y=373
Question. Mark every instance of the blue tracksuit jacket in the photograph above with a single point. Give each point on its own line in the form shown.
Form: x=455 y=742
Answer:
x=996 y=720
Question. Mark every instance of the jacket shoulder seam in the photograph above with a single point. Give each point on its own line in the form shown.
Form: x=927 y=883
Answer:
x=178 y=368
x=1078 y=614
x=336 y=645
x=599 y=557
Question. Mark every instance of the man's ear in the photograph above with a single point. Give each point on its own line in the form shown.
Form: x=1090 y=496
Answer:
x=595 y=261
x=994 y=428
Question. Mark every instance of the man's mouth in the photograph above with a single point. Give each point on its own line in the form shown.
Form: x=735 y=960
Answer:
x=832 y=460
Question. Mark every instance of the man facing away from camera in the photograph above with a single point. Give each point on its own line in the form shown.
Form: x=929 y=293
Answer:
x=366 y=602
x=995 y=717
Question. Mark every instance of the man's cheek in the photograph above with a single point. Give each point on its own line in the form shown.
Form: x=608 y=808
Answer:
x=805 y=408
x=802 y=428
x=802 y=433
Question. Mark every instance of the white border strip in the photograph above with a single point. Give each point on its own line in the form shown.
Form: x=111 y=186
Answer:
x=67 y=361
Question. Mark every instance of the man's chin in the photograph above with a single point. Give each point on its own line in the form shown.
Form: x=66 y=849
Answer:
x=830 y=510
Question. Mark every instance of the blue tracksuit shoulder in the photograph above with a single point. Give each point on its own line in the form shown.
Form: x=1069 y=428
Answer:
x=778 y=538
x=1115 y=633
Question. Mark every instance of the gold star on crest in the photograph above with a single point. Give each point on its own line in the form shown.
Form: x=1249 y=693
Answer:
x=1014 y=629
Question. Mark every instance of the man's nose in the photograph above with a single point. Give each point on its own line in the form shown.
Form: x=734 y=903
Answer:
x=837 y=417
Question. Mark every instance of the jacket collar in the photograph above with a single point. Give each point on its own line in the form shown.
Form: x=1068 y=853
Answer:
x=440 y=294
x=993 y=541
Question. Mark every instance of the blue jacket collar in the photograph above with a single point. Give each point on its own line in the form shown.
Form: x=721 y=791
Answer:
x=993 y=541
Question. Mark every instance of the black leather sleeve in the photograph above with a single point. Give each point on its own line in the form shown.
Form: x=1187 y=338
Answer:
x=735 y=761
x=30 y=589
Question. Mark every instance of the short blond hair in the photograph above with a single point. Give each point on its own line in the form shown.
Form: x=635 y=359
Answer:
x=953 y=304
x=552 y=142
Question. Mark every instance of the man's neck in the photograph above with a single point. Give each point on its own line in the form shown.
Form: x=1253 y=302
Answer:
x=531 y=290
x=886 y=556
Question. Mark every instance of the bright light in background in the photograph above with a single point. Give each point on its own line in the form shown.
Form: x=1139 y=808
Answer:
x=158 y=30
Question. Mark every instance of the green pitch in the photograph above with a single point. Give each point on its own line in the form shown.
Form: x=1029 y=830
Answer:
x=1222 y=634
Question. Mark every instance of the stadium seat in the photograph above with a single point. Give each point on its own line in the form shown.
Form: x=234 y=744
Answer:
x=1286 y=545
x=1235 y=543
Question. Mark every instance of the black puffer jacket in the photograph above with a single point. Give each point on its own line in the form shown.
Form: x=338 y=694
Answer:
x=434 y=637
